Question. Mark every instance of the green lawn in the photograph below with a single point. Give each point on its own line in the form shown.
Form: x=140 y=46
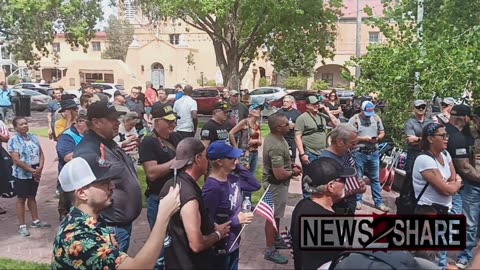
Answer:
x=255 y=196
x=13 y=264
x=40 y=132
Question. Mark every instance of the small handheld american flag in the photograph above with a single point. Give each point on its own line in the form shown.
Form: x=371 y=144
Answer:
x=287 y=238
x=351 y=183
x=266 y=209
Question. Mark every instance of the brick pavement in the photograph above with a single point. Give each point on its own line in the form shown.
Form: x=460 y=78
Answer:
x=38 y=247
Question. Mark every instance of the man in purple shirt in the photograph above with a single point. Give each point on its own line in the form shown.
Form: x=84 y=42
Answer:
x=222 y=194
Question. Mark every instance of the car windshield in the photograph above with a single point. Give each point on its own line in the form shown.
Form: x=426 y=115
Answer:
x=30 y=92
x=44 y=85
x=119 y=87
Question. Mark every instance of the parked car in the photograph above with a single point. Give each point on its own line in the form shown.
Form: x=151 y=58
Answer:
x=38 y=101
x=300 y=99
x=206 y=99
x=43 y=88
x=270 y=93
x=110 y=88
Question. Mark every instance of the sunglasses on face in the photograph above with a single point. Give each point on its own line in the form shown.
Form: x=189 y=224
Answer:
x=422 y=107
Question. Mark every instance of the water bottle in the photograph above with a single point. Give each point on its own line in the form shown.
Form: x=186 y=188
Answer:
x=247 y=205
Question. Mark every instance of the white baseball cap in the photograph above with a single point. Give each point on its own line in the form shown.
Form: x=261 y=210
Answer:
x=82 y=171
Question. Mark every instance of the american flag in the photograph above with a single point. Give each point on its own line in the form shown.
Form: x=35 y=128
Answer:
x=287 y=238
x=266 y=209
x=351 y=183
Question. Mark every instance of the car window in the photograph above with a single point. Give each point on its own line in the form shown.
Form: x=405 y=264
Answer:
x=25 y=85
x=31 y=93
x=169 y=91
x=268 y=91
x=44 y=85
x=19 y=86
x=119 y=87
x=205 y=93
x=257 y=92
x=299 y=95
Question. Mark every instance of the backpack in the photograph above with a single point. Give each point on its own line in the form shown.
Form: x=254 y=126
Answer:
x=357 y=123
x=6 y=179
x=406 y=202
x=374 y=260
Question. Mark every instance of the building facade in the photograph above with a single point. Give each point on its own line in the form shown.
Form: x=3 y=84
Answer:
x=173 y=52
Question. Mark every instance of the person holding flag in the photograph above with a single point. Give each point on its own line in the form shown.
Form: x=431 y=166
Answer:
x=222 y=194
x=278 y=170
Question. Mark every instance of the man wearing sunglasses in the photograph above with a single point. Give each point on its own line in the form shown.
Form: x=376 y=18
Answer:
x=325 y=181
x=103 y=126
x=447 y=106
x=413 y=130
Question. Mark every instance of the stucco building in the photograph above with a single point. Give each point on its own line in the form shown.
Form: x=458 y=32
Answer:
x=173 y=52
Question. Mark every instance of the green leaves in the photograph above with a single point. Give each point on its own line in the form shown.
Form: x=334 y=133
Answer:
x=119 y=35
x=27 y=23
x=447 y=59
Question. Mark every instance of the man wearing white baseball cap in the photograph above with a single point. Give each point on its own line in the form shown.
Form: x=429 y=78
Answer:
x=370 y=131
x=83 y=238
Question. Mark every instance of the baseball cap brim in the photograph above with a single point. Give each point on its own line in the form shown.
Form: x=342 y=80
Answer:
x=348 y=172
x=170 y=117
x=178 y=164
x=372 y=113
x=235 y=153
x=68 y=108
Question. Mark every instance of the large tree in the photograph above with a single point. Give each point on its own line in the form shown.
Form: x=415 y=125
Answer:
x=442 y=50
x=119 y=36
x=27 y=23
x=238 y=28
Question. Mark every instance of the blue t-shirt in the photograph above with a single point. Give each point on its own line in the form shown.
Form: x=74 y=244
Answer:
x=29 y=152
x=5 y=98
x=66 y=145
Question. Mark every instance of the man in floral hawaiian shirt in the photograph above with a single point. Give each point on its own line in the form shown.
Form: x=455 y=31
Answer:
x=83 y=240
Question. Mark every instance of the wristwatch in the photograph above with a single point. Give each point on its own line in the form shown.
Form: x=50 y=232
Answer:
x=218 y=234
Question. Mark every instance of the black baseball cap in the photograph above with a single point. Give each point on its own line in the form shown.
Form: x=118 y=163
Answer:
x=222 y=106
x=461 y=110
x=102 y=109
x=324 y=170
x=163 y=110
x=68 y=104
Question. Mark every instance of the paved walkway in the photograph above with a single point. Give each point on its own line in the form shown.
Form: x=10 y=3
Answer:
x=38 y=247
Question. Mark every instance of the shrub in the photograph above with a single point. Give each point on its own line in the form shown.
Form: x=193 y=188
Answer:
x=14 y=79
x=211 y=83
x=319 y=85
x=263 y=82
x=294 y=82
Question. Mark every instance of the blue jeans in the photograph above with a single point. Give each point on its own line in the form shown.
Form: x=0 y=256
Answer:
x=152 y=210
x=456 y=204
x=311 y=158
x=229 y=261
x=253 y=162
x=471 y=210
x=122 y=235
x=370 y=163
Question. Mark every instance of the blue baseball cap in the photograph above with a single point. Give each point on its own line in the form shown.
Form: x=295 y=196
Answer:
x=368 y=108
x=221 y=149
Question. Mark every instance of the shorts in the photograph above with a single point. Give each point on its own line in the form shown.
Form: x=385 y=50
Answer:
x=148 y=110
x=25 y=188
x=279 y=198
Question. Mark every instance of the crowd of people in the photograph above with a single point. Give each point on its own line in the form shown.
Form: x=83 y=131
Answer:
x=100 y=145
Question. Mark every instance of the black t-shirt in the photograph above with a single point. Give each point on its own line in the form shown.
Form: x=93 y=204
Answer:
x=152 y=149
x=291 y=115
x=308 y=259
x=459 y=146
x=213 y=131
x=178 y=254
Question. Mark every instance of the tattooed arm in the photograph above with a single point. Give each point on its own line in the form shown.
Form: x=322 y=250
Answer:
x=463 y=167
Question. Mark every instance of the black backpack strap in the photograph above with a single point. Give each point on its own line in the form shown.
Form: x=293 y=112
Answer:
x=379 y=256
x=427 y=184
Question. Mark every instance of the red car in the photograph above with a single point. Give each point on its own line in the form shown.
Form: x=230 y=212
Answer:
x=300 y=98
x=205 y=97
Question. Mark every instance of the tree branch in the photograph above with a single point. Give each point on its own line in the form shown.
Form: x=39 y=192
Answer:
x=252 y=35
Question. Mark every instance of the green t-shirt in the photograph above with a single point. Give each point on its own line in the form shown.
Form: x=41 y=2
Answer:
x=275 y=155
x=313 y=140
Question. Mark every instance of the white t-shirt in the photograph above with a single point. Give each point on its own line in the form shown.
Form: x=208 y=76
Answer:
x=431 y=195
x=183 y=108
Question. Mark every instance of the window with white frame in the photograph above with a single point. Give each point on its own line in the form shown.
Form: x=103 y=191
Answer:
x=96 y=46
x=373 y=37
x=174 y=39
